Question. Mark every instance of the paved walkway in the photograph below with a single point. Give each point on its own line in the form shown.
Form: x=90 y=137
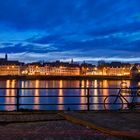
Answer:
x=69 y=125
x=120 y=124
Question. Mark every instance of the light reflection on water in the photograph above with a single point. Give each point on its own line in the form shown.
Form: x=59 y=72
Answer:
x=10 y=92
x=60 y=92
x=36 y=100
x=83 y=93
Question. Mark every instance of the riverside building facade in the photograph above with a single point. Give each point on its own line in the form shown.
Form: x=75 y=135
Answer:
x=8 y=67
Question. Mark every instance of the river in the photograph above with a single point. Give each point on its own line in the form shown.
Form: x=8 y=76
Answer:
x=61 y=92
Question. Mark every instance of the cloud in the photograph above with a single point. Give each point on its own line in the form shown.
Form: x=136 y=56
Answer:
x=67 y=56
x=74 y=28
x=19 y=47
x=51 y=14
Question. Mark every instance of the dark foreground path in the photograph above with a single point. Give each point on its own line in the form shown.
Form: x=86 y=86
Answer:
x=55 y=125
x=125 y=124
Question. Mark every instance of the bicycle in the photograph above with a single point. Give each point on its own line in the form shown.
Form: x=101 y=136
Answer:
x=116 y=102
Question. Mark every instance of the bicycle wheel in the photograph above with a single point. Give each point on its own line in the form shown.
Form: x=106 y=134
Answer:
x=113 y=102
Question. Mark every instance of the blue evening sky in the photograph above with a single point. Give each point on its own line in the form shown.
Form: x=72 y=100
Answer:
x=91 y=30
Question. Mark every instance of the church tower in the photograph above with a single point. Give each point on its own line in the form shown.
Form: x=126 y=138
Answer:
x=6 y=57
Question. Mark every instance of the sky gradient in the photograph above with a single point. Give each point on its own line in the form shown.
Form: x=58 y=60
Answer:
x=91 y=30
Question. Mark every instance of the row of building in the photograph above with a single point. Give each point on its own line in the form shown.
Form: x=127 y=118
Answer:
x=8 y=67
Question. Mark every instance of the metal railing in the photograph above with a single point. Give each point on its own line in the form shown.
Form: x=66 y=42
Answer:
x=87 y=96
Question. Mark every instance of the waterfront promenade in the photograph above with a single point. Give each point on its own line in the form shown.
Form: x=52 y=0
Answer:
x=70 y=125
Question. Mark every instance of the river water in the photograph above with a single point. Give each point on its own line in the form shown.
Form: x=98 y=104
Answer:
x=61 y=92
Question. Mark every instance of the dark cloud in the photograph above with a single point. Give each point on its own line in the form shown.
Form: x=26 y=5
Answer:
x=36 y=14
x=69 y=25
x=47 y=39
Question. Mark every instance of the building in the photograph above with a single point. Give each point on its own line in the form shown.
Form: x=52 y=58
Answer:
x=4 y=59
x=88 y=69
x=62 y=69
x=115 y=69
x=35 y=68
x=58 y=68
x=134 y=72
x=101 y=63
x=8 y=67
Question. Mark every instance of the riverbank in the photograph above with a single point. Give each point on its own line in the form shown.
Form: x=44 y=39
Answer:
x=52 y=77
x=62 y=125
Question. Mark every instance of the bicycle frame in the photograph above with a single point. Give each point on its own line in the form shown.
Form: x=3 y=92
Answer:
x=134 y=94
x=119 y=99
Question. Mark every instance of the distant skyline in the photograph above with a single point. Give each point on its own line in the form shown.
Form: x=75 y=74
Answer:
x=90 y=30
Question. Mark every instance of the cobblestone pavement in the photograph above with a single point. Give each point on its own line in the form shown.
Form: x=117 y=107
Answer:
x=28 y=117
x=121 y=121
x=121 y=124
x=50 y=127
x=58 y=130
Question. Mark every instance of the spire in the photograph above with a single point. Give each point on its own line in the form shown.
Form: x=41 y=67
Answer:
x=6 y=57
x=71 y=61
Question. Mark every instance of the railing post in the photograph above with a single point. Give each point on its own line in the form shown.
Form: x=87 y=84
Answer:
x=88 y=100
x=18 y=96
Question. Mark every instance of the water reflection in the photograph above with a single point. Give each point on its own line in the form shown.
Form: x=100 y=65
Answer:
x=87 y=83
x=10 y=92
x=22 y=84
x=134 y=83
x=83 y=99
x=36 y=99
x=95 y=92
x=61 y=92
x=105 y=85
x=7 y=101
